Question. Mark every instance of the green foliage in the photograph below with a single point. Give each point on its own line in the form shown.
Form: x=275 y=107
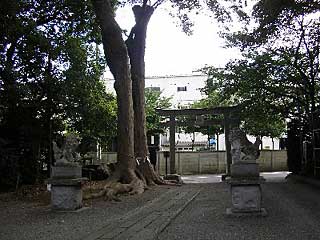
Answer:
x=253 y=83
x=33 y=55
x=278 y=77
x=263 y=123
x=49 y=80
x=281 y=57
x=90 y=110
x=154 y=101
x=212 y=100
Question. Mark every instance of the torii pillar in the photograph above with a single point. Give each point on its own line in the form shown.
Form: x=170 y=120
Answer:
x=172 y=144
x=226 y=116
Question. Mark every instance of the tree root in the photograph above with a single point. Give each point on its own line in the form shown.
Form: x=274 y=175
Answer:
x=145 y=177
x=138 y=186
x=152 y=178
x=111 y=190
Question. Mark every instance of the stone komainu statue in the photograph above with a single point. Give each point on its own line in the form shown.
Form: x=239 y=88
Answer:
x=67 y=153
x=241 y=148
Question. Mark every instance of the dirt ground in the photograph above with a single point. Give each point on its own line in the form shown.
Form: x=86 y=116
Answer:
x=39 y=194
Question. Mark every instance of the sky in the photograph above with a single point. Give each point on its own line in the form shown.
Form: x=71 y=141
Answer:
x=169 y=51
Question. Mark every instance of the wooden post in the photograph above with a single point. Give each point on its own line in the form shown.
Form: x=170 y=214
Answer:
x=179 y=164
x=199 y=164
x=272 y=154
x=172 y=144
x=227 y=141
x=217 y=142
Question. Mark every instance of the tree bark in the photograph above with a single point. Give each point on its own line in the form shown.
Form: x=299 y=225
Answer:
x=136 y=43
x=117 y=59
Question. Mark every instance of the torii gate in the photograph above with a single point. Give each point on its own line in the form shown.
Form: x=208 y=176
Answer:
x=230 y=118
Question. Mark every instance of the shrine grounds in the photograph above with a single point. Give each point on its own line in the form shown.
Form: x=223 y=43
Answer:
x=192 y=211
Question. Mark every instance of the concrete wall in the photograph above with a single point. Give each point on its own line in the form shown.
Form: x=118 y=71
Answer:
x=207 y=162
x=106 y=158
x=215 y=162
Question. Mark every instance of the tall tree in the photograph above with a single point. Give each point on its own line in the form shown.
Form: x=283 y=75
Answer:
x=286 y=36
x=136 y=43
x=129 y=84
x=118 y=61
x=254 y=84
x=287 y=31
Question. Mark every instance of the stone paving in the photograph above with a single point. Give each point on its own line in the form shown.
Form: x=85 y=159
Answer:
x=148 y=221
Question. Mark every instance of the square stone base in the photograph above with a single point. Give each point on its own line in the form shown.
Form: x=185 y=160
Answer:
x=244 y=170
x=66 y=198
x=66 y=171
x=246 y=198
x=261 y=213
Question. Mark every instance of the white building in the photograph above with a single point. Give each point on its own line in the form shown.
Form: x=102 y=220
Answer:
x=184 y=90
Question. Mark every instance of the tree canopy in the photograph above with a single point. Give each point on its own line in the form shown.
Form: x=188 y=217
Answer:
x=277 y=77
x=50 y=71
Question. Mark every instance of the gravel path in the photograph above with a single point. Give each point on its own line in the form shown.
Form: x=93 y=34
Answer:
x=293 y=213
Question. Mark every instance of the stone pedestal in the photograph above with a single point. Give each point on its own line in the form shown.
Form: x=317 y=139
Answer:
x=245 y=188
x=66 y=187
x=67 y=171
x=245 y=170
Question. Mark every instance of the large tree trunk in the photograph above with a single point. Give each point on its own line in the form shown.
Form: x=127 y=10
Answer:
x=117 y=56
x=136 y=44
x=117 y=59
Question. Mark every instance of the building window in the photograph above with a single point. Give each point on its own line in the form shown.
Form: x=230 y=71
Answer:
x=154 y=89
x=182 y=89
